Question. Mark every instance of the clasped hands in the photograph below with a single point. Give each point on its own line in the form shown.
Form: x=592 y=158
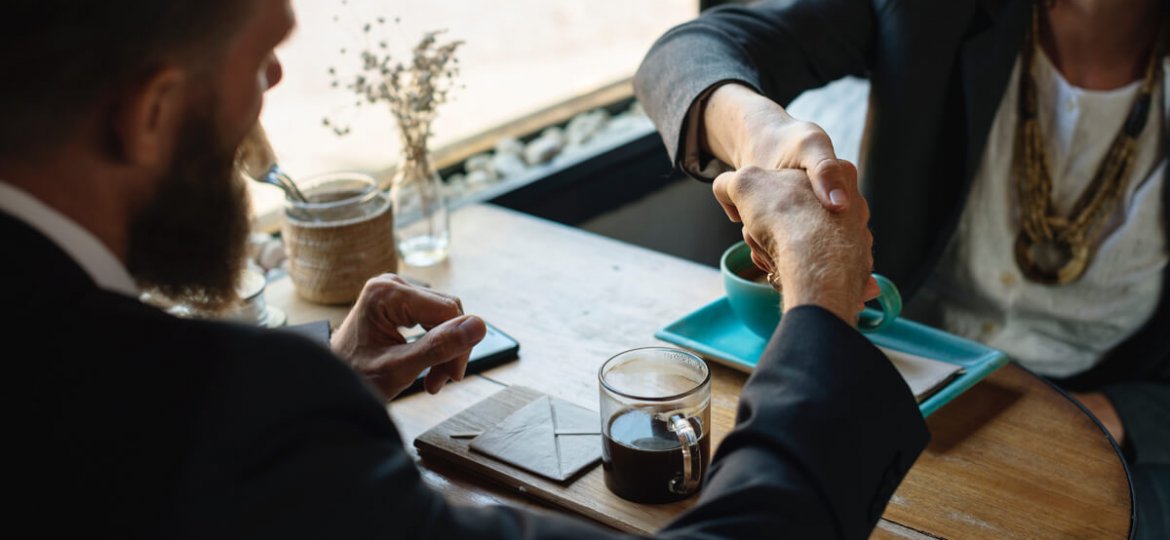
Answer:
x=802 y=213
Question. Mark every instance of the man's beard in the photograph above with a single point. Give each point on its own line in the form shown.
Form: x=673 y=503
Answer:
x=189 y=243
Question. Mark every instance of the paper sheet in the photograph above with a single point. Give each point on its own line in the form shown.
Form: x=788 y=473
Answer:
x=924 y=375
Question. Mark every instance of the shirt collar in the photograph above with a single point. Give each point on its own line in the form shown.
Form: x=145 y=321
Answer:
x=77 y=242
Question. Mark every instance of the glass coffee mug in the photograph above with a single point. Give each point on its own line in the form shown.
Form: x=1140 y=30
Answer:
x=655 y=424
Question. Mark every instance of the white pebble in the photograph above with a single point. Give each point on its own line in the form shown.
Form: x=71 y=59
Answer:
x=555 y=133
x=509 y=165
x=584 y=126
x=256 y=242
x=455 y=191
x=623 y=125
x=478 y=177
x=479 y=162
x=272 y=254
x=510 y=145
x=543 y=149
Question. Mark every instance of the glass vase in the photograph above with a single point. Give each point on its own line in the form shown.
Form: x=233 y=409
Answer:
x=421 y=223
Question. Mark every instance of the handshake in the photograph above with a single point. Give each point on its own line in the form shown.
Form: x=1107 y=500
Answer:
x=813 y=254
x=803 y=215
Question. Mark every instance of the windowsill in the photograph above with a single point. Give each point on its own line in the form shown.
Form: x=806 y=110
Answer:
x=268 y=201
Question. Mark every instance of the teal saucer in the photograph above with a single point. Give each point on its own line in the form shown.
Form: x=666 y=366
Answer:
x=714 y=332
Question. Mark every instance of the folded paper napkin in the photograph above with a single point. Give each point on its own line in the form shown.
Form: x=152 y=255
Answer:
x=925 y=376
x=549 y=436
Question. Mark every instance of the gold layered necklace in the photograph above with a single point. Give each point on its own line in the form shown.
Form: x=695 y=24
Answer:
x=1050 y=248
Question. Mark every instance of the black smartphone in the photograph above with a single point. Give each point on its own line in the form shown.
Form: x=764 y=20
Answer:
x=495 y=349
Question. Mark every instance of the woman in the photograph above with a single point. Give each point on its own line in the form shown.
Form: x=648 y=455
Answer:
x=1015 y=161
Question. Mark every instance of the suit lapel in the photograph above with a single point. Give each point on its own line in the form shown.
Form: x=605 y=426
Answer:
x=987 y=60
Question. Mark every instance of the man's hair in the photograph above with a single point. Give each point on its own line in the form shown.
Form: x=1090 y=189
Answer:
x=60 y=58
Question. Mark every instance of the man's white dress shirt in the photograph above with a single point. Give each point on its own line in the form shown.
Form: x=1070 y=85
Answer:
x=80 y=244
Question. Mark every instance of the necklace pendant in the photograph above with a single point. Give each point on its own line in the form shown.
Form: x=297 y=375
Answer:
x=1051 y=261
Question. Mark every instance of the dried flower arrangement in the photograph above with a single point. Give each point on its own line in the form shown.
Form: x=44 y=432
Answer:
x=413 y=90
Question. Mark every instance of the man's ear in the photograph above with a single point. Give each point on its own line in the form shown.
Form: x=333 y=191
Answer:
x=148 y=118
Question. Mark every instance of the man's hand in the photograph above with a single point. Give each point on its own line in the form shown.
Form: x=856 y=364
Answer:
x=819 y=257
x=369 y=339
x=744 y=129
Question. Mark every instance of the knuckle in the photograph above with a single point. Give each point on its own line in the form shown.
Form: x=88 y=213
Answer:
x=750 y=179
x=439 y=346
x=373 y=287
x=744 y=179
x=452 y=306
x=382 y=282
x=808 y=135
x=828 y=169
x=750 y=171
x=392 y=294
x=849 y=167
x=430 y=347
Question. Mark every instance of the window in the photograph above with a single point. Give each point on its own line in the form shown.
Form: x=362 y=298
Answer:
x=519 y=56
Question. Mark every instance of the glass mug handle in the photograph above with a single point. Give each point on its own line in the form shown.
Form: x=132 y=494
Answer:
x=688 y=440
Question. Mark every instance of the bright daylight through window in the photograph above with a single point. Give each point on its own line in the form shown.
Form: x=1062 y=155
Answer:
x=519 y=56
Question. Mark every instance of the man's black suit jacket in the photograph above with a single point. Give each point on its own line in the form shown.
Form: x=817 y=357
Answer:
x=937 y=72
x=138 y=424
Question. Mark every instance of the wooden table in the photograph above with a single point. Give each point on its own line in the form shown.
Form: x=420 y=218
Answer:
x=1011 y=458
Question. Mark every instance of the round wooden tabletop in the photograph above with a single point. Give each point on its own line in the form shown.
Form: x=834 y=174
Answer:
x=1010 y=458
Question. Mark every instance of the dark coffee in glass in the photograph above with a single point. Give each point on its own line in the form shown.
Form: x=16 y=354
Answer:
x=656 y=415
x=643 y=458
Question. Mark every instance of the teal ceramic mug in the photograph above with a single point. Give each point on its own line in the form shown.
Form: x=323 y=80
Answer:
x=757 y=304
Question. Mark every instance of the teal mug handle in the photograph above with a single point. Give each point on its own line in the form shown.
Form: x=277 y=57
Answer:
x=891 y=306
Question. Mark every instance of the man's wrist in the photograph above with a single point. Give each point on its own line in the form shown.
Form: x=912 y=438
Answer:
x=831 y=299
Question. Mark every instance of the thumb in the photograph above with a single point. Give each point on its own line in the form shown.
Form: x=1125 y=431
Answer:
x=829 y=175
x=448 y=341
x=721 y=187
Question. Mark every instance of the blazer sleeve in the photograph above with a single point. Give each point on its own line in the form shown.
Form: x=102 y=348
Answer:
x=779 y=48
x=1144 y=409
x=825 y=431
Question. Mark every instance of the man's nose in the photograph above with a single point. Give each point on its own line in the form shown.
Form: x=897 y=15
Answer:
x=274 y=72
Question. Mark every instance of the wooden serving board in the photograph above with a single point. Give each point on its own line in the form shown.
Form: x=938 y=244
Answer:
x=586 y=495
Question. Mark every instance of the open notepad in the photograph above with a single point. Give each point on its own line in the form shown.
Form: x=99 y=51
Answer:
x=924 y=375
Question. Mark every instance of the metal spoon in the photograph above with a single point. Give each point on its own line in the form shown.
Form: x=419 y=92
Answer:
x=257 y=160
x=277 y=177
